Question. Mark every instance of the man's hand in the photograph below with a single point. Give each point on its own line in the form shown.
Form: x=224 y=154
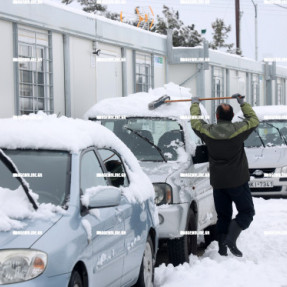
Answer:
x=239 y=98
x=195 y=100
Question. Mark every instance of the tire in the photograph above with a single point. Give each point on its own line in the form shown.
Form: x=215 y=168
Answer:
x=179 y=249
x=76 y=280
x=146 y=275
x=212 y=235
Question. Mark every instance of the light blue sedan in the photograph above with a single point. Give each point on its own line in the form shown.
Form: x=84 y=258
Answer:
x=76 y=209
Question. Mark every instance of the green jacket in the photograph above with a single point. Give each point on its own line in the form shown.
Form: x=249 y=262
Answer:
x=225 y=145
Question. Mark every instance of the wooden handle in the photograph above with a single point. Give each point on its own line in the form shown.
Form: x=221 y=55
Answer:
x=202 y=99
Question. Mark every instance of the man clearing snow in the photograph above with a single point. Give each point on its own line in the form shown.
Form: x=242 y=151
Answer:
x=229 y=174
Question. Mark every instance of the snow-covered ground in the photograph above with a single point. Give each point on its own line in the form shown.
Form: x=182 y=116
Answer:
x=264 y=261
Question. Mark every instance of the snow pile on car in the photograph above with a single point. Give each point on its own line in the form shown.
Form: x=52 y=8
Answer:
x=266 y=113
x=41 y=131
x=15 y=207
x=137 y=104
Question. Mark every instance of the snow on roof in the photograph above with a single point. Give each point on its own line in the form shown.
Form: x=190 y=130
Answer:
x=267 y=112
x=77 y=9
x=137 y=104
x=40 y=131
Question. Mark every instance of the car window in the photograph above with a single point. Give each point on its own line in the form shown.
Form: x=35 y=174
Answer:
x=114 y=165
x=47 y=172
x=141 y=134
x=92 y=174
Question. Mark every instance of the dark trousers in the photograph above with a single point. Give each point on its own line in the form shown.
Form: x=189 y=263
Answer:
x=242 y=198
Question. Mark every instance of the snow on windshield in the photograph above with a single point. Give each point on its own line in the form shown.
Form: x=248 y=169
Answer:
x=15 y=207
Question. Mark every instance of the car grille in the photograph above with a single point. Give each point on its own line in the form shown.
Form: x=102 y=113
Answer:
x=271 y=189
x=264 y=170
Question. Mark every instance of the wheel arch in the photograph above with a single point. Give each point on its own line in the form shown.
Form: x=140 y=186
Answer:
x=81 y=268
x=152 y=234
x=193 y=206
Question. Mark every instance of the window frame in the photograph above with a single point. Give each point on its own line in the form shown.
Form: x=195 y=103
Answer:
x=143 y=60
x=80 y=166
x=36 y=100
x=122 y=162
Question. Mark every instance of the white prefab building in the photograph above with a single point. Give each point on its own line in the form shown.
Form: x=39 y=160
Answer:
x=63 y=61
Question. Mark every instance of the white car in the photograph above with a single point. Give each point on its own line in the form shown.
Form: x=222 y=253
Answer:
x=166 y=148
x=266 y=151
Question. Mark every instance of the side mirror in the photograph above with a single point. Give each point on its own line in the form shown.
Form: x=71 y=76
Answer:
x=201 y=154
x=105 y=197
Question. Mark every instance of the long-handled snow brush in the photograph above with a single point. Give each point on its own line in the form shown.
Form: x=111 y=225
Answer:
x=166 y=99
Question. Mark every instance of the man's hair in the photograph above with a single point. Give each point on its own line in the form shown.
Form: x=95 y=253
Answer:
x=224 y=112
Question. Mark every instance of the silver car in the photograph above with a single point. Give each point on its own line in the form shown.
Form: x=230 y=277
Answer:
x=76 y=209
x=266 y=151
x=172 y=156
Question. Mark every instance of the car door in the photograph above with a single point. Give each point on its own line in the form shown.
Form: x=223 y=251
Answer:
x=106 y=226
x=203 y=190
x=133 y=214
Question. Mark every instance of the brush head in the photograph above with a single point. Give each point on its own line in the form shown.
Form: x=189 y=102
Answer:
x=155 y=104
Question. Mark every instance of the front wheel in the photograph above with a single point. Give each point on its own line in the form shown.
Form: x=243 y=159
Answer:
x=146 y=275
x=76 y=280
x=179 y=249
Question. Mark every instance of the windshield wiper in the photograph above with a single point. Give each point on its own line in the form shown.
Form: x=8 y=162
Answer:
x=13 y=169
x=256 y=131
x=147 y=140
x=282 y=137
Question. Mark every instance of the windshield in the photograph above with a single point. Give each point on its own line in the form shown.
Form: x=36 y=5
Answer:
x=267 y=134
x=166 y=134
x=47 y=172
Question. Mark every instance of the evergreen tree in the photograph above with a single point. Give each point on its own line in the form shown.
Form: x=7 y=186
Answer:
x=90 y=6
x=183 y=36
x=220 y=34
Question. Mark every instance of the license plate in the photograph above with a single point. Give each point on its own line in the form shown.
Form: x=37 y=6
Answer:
x=263 y=184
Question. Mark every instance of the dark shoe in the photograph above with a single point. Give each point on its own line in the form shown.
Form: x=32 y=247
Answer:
x=230 y=241
x=222 y=248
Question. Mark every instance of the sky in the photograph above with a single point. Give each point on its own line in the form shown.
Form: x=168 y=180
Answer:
x=272 y=21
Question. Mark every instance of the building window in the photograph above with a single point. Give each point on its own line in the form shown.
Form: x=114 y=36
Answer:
x=143 y=73
x=34 y=72
x=279 y=92
x=255 y=90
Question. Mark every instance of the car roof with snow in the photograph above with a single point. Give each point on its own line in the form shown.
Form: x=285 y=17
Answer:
x=275 y=112
x=136 y=105
x=41 y=131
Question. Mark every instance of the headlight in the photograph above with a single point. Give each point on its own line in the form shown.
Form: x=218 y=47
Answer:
x=19 y=265
x=163 y=193
x=282 y=171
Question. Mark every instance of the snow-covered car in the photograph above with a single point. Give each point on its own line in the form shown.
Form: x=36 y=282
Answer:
x=76 y=209
x=266 y=151
x=166 y=148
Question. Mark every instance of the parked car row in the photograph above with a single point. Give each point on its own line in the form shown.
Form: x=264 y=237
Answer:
x=80 y=208
x=89 y=202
